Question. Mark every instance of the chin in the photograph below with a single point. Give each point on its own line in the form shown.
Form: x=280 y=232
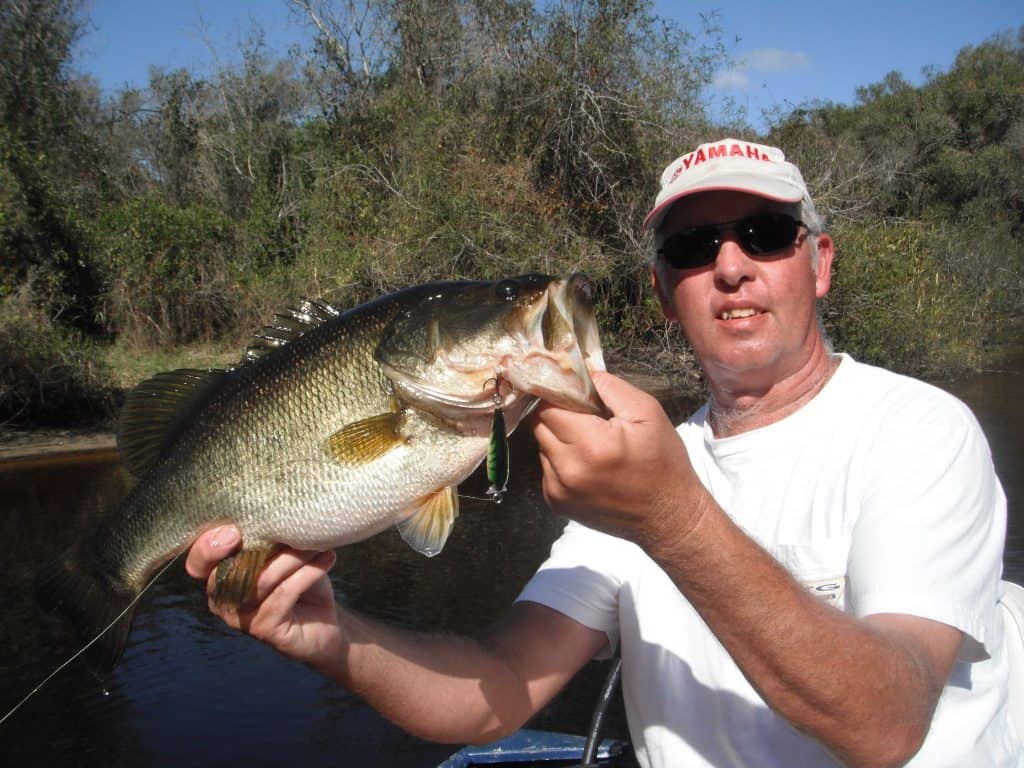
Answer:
x=744 y=359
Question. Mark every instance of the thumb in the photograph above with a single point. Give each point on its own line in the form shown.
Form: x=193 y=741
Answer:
x=210 y=548
x=623 y=399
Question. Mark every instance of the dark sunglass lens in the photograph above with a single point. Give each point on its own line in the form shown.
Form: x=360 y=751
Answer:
x=767 y=233
x=691 y=248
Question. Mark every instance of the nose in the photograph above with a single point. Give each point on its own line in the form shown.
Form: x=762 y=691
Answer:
x=733 y=266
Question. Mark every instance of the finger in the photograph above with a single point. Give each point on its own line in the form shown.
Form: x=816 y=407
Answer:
x=548 y=472
x=623 y=399
x=210 y=548
x=309 y=578
x=565 y=426
x=279 y=568
x=308 y=583
x=551 y=481
x=542 y=433
x=283 y=567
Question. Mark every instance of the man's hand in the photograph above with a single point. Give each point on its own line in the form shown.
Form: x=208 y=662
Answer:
x=292 y=608
x=628 y=475
x=440 y=687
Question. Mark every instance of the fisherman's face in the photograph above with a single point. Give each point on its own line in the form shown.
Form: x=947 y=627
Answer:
x=745 y=317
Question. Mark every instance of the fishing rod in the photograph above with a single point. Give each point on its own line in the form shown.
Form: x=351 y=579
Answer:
x=603 y=700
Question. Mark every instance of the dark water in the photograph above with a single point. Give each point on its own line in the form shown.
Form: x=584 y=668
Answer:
x=191 y=693
x=997 y=399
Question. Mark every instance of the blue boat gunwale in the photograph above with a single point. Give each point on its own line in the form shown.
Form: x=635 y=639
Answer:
x=530 y=746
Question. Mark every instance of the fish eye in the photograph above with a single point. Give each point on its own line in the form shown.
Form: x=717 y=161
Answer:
x=507 y=290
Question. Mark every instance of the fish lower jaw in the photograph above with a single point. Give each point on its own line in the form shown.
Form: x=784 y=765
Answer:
x=556 y=380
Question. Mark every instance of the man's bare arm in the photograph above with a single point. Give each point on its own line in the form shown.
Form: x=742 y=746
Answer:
x=456 y=689
x=866 y=689
x=439 y=687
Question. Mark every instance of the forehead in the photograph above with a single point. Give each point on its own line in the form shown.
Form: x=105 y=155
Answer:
x=716 y=207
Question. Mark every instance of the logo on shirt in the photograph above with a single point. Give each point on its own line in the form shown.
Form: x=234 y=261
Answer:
x=831 y=590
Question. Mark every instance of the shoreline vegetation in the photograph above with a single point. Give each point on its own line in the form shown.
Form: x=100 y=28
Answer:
x=158 y=228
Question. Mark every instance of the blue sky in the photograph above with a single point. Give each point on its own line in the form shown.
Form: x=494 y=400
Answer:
x=784 y=53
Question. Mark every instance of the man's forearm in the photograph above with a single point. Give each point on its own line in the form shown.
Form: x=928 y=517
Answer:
x=863 y=693
x=456 y=689
x=430 y=685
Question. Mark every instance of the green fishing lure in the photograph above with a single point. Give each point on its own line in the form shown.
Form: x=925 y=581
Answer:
x=497 y=451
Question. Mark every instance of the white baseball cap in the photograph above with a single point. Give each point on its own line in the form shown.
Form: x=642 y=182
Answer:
x=729 y=164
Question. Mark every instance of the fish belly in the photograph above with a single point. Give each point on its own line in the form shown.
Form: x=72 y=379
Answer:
x=323 y=505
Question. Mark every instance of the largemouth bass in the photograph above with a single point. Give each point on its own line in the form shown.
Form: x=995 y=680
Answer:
x=335 y=427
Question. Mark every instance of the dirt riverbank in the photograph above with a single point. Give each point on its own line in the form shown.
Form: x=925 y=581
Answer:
x=17 y=446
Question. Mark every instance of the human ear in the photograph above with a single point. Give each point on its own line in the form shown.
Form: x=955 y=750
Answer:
x=664 y=297
x=823 y=271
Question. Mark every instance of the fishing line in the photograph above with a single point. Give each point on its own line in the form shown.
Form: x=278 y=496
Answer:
x=488 y=500
x=88 y=645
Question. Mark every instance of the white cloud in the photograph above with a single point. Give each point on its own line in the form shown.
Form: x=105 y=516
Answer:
x=775 y=60
x=731 y=78
x=760 y=60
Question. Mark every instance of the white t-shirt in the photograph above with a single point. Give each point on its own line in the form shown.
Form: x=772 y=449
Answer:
x=879 y=495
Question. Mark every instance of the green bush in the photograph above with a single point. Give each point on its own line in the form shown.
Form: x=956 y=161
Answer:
x=169 y=274
x=898 y=300
x=49 y=375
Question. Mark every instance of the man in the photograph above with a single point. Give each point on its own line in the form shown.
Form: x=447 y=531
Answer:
x=809 y=576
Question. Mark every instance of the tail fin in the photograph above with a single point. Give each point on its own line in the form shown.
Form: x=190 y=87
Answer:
x=99 y=609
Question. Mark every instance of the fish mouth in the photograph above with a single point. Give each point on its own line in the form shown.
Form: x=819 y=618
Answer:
x=564 y=348
x=541 y=346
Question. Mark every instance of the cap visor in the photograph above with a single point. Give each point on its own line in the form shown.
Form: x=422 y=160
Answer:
x=781 y=193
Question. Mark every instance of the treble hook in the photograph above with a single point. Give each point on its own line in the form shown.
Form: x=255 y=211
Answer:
x=496 y=397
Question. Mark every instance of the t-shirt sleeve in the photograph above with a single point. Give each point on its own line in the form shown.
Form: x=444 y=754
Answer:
x=582 y=578
x=929 y=538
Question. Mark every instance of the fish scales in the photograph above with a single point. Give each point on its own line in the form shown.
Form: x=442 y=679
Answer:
x=257 y=451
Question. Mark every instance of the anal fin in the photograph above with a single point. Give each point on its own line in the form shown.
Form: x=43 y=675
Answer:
x=427 y=529
x=237 y=575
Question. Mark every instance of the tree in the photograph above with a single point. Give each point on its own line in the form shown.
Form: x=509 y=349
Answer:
x=46 y=159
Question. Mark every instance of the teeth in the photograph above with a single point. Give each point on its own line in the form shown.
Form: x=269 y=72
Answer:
x=730 y=314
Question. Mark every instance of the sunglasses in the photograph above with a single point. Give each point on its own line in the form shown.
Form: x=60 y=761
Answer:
x=761 y=235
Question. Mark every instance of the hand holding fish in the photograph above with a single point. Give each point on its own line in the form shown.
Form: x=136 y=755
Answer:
x=292 y=607
x=628 y=475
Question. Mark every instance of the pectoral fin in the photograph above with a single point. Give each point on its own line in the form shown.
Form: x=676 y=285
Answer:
x=365 y=441
x=237 y=574
x=427 y=529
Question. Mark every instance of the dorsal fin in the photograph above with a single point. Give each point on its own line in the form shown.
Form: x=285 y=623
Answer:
x=288 y=326
x=152 y=413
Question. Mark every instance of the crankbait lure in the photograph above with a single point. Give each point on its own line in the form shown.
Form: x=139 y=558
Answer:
x=497 y=450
